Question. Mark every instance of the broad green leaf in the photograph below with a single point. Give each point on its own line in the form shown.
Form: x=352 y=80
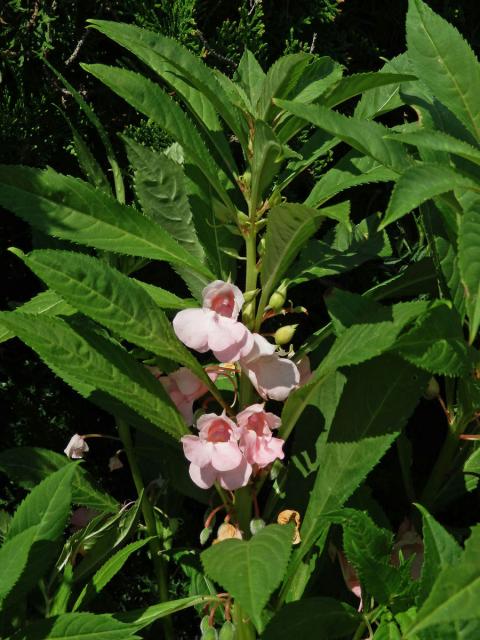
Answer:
x=13 y=559
x=439 y=141
x=79 y=353
x=469 y=265
x=250 y=76
x=251 y=570
x=27 y=466
x=46 y=507
x=113 y=299
x=441 y=551
x=71 y=209
x=436 y=343
x=265 y=163
x=330 y=619
x=281 y=78
x=373 y=409
x=455 y=593
x=106 y=572
x=352 y=170
x=77 y=626
x=353 y=85
x=148 y=98
x=421 y=183
x=155 y=49
x=366 y=136
x=46 y=302
x=445 y=63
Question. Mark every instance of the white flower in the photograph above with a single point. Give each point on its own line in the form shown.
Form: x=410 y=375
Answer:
x=76 y=447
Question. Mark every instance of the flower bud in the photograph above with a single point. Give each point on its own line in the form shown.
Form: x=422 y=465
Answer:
x=433 y=389
x=256 y=524
x=248 y=296
x=210 y=634
x=227 y=632
x=285 y=334
x=261 y=246
x=278 y=297
x=205 y=535
x=204 y=624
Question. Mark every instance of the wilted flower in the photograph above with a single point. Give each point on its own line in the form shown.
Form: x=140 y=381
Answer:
x=273 y=377
x=114 y=463
x=257 y=441
x=227 y=531
x=215 y=455
x=214 y=327
x=81 y=517
x=76 y=447
x=290 y=515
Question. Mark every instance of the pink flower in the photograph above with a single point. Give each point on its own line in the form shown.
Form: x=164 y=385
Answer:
x=273 y=377
x=351 y=577
x=215 y=454
x=257 y=441
x=408 y=543
x=184 y=388
x=214 y=327
x=76 y=447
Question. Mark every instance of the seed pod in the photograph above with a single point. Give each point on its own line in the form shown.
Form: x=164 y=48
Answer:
x=204 y=624
x=210 y=634
x=205 y=535
x=285 y=334
x=227 y=632
x=256 y=524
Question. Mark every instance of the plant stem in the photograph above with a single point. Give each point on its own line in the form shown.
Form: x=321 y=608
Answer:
x=159 y=564
x=244 y=628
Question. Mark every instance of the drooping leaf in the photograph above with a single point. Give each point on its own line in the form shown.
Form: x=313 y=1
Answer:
x=27 y=466
x=469 y=265
x=148 y=98
x=454 y=594
x=441 y=550
x=80 y=354
x=330 y=619
x=444 y=61
x=421 y=183
x=71 y=209
x=251 y=570
x=439 y=141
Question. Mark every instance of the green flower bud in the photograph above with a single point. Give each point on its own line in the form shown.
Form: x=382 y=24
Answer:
x=285 y=334
x=433 y=389
x=204 y=624
x=227 y=632
x=210 y=634
x=256 y=524
x=205 y=535
x=278 y=297
x=275 y=198
x=248 y=296
x=261 y=246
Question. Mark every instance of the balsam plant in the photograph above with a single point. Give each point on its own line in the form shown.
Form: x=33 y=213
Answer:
x=287 y=434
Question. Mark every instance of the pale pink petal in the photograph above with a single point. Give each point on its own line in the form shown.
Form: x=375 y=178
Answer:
x=196 y=450
x=260 y=347
x=186 y=409
x=225 y=456
x=273 y=377
x=203 y=477
x=224 y=298
x=76 y=447
x=228 y=339
x=192 y=327
x=237 y=477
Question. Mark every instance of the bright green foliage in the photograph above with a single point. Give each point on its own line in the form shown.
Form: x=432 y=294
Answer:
x=251 y=570
x=14 y=556
x=469 y=265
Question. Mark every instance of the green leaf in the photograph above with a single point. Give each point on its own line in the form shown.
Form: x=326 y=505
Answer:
x=441 y=551
x=148 y=98
x=106 y=572
x=352 y=170
x=250 y=76
x=46 y=302
x=469 y=265
x=71 y=209
x=436 y=343
x=27 y=466
x=46 y=507
x=265 y=163
x=113 y=299
x=155 y=50
x=251 y=570
x=365 y=136
x=353 y=85
x=330 y=619
x=79 y=354
x=421 y=183
x=439 y=141
x=13 y=558
x=455 y=593
x=445 y=63
x=91 y=169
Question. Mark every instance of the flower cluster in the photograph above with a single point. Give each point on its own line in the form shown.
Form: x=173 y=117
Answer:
x=228 y=451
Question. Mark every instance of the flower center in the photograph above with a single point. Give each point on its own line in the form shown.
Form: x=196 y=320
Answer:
x=219 y=431
x=256 y=423
x=224 y=304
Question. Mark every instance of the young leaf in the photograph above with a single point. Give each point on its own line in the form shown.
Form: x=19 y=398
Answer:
x=250 y=76
x=267 y=153
x=80 y=354
x=441 y=551
x=113 y=299
x=148 y=98
x=469 y=265
x=71 y=209
x=330 y=619
x=455 y=593
x=88 y=164
x=445 y=63
x=421 y=183
x=251 y=570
